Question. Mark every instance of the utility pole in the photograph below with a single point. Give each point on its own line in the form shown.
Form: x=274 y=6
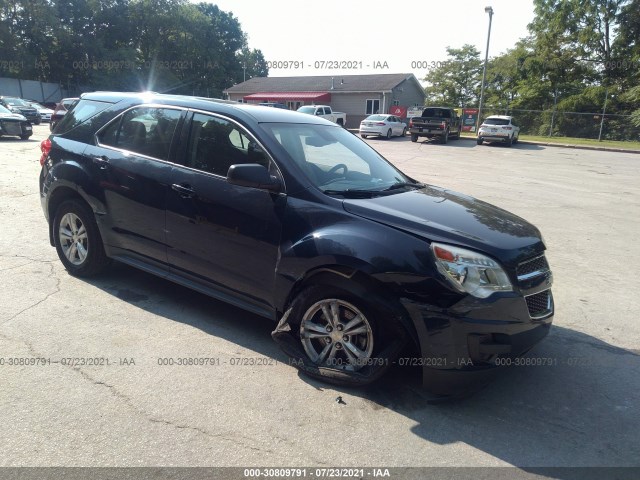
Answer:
x=488 y=10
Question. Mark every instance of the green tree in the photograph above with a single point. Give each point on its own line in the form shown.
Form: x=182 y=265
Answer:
x=456 y=81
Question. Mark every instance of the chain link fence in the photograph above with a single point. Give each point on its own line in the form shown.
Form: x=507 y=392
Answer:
x=550 y=123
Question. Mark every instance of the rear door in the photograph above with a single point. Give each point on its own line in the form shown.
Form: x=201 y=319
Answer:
x=131 y=159
x=222 y=236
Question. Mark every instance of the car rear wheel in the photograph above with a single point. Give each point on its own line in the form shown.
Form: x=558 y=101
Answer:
x=404 y=132
x=479 y=141
x=445 y=137
x=363 y=136
x=509 y=142
x=388 y=134
x=25 y=137
x=77 y=239
x=414 y=137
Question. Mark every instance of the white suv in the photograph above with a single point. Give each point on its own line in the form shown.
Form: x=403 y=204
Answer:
x=499 y=128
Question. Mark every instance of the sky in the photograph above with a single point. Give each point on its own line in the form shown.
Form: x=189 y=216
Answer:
x=373 y=36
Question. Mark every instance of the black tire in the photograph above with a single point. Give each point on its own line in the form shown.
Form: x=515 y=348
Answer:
x=25 y=137
x=37 y=122
x=414 y=137
x=389 y=133
x=363 y=136
x=404 y=132
x=479 y=141
x=340 y=122
x=386 y=339
x=445 y=137
x=509 y=142
x=83 y=231
x=516 y=140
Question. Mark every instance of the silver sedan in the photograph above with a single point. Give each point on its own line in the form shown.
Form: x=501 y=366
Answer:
x=382 y=126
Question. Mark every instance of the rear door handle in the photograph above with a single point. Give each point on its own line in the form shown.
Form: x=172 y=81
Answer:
x=184 y=190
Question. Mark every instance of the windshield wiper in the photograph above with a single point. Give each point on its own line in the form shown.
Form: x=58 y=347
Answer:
x=404 y=184
x=348 y=193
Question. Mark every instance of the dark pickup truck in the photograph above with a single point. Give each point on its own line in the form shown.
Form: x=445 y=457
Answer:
x=435 y=122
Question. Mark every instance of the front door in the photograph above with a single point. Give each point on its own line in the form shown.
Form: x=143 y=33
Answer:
x=220 y=235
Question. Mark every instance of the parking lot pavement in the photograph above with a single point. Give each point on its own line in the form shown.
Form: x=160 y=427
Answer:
x=577 y=407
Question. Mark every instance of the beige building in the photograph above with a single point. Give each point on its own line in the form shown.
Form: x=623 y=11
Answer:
x=355 y=95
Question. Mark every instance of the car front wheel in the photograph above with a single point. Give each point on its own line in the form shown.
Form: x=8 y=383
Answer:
x=77 y=239
x=338 y=337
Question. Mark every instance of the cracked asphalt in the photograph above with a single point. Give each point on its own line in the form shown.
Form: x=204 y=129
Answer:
x=127 y=409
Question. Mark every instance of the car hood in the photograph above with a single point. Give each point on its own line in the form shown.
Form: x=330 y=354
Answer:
x=446 y=216
x=12 y=116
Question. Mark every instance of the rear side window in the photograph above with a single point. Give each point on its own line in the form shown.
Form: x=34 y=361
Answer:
x=145 y=130
x=80 y=113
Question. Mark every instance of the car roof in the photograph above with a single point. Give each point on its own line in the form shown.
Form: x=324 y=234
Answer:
x=261 y=114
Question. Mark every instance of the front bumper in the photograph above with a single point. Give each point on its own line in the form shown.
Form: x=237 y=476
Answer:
x=15 y=128
x=462 y=345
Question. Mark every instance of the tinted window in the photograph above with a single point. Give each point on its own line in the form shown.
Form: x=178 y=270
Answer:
x=83 y=111
x=215 y=144
x=436 y=112
x=145 y=130
x=496 y=121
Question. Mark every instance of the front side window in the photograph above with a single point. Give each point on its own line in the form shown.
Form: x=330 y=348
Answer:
x=144 y=130
x=215 y=144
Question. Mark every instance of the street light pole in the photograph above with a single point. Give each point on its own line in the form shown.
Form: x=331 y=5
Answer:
x=488 y=10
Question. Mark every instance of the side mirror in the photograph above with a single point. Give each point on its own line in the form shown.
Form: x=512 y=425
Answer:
x=252 y=175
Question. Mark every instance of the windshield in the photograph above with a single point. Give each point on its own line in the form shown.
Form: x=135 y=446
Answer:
x=16 y=101
x=335 y=160
x=496 y=121
x=310 y=110
x=5 y=110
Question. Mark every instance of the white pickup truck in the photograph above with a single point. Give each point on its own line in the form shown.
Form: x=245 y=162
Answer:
x=325 y=112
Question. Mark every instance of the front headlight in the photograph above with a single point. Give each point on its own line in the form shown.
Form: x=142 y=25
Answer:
x=470 y=272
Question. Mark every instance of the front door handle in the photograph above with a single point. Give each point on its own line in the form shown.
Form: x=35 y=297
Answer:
x=184 y=190
x=102 y=161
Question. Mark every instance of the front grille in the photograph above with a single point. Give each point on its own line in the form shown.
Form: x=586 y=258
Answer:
x=532 y=268
x=11 y=128
x=539 y=304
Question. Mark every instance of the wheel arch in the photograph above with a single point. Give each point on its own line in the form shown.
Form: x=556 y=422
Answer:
x=57 y=196
x=359 y=283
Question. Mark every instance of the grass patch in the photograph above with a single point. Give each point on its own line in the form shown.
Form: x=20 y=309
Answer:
x=578 y=141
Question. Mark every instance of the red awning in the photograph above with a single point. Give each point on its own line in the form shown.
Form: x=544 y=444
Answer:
x=292 y=96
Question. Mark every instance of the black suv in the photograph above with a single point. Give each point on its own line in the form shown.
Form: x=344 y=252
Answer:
x=17 y=105
x=294 y=218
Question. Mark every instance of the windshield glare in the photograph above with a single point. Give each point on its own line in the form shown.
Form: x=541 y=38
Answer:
x=16 y=101
x=334 y=159
x=4 y=110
